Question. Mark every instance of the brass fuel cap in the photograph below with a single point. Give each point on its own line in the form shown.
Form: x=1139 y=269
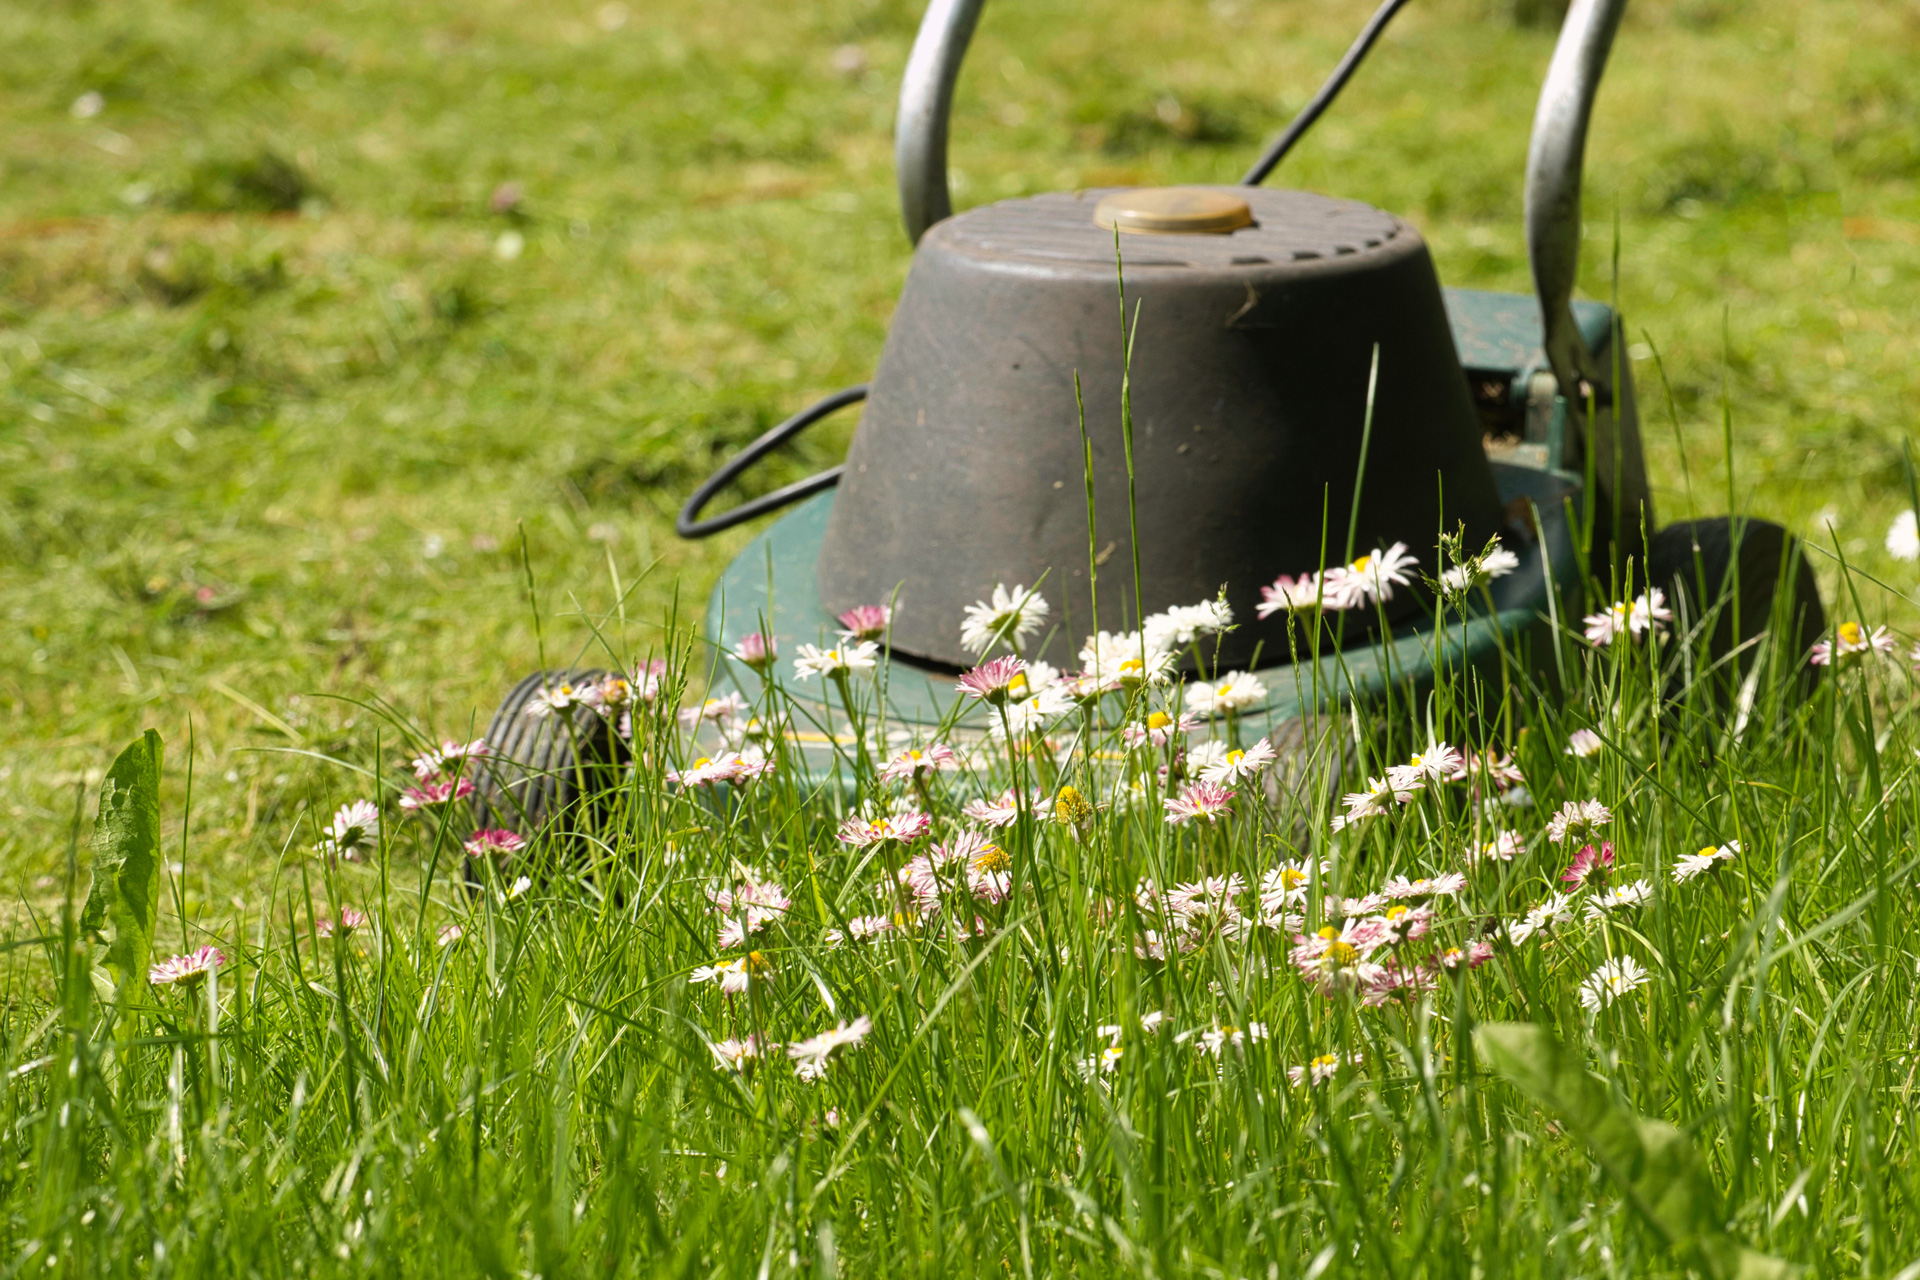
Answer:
x=1174 y=211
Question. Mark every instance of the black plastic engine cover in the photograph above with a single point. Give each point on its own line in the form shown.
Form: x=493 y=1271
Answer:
x=1249 y=392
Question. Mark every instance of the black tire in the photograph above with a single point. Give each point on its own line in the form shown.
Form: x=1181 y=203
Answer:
x=1737 y=578
x=539 y=767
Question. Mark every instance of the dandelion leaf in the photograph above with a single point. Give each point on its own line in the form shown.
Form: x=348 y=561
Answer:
x=123 y=905
x=1653 y=1163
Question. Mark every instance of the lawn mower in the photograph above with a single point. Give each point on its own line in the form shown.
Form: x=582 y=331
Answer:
x=1299 y=387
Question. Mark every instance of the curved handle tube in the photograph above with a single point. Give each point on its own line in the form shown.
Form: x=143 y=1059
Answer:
x=926 y=100
x=1555 y=154
x=1277 y=152
x=690 y=525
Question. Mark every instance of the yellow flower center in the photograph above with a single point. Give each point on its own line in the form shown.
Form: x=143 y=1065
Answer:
x=1159 y=720
x=1291 y=878
x=702 y=762
x=1396 y=911
x=1070 y=806
x=1850 y=633
x=1235 y=757
x=1132 y=667
x=1223 y=691
x=1343 y=953
x=1018 y=686
x=1363 y=564
x=1707 y=851
x=757 y=962
x=1327 y=1060
x=991 y=859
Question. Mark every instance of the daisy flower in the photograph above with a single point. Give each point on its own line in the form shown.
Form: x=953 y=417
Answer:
x=448 y=935
x=1002 y=810
x=355 y=826
x=860 y=929
x=865 y=622
x=1365 y=905
x=1316 y=1072
x=494 y=842
x=1395 y=982
x=995 y=681
x=1286 y=885
x=1231 y=694
x=1293 y=595
x=716 y=709
x=1438 y=763
x=1649 y=613
x=1441 y=886
x=429 y=764
x=860 y=832
x=1237 y=766
x=835 y=664
x=1116 y=660
x=1706 y=860
x=1577 y=818
x=734 y=976
x=350 y=919
x=1226 y=1035
x=810 y=1056
x=1183 y=624
x=1590 y=866
x=1903 y=537
x=1634 y=893
x=757 y=651
x=561 y=695
x=1381 y=794
x=1202 y=801
x=1556 y=910
x=738 y=1055
x=436 y=793
x=1403 y=924
x=919 y=762
x=1159 y=729
x=1008 y=617
x=1371 y=577
x=1104 y=1063
x=1461 y=959
x=1613 y=980
x=1582 y=743
x=1646 y=612
x=728 y=766
x=186 y=970
x=1850 y=639
x=1337 y=959
x=1495 y=563
x=1504 y=847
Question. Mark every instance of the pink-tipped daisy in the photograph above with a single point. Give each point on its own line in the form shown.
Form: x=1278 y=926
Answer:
x=729 y=766
x=355 y=828
x=449 y=755
x=1462 y=959
x=494 y=842
x=1381 y=794
x=735 y=976
x=350 y=919
x=1200 y=801
x=1850 y=640
x=1237 y=766
x=1582 y=743
x=186 y=970
x=810 y=1056
x=865 y=622
x=1589 y=867
x=1006 y=617
x=996 y=680
x=436 y=793
x=919 y=762
x=719 y=710
x=836 y=663
x=901 y=828
x=1577 y=818
x=1158 y=729
x=1294 y=595
x=1002 y=810
x=756 y=650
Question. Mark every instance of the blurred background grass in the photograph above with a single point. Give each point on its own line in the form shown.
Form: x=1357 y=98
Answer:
x=308 y=312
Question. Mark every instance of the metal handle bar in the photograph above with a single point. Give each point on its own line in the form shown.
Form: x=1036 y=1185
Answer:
x=1555 y=155
x=1555 y=151
x=689 y=524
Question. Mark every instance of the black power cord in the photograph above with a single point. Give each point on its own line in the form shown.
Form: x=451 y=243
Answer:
x=1323 y=99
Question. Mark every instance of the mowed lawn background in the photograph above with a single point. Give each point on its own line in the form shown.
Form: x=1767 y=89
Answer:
x=286 y=376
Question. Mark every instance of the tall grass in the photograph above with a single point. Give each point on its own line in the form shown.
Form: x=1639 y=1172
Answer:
x=547 y=1093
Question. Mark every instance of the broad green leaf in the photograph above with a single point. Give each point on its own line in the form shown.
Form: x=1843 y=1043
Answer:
x=1652 y=1162
x=123 y=904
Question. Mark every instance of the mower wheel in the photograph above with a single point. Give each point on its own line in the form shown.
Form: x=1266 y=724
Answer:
x=1740 y=576
x=539 y=767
